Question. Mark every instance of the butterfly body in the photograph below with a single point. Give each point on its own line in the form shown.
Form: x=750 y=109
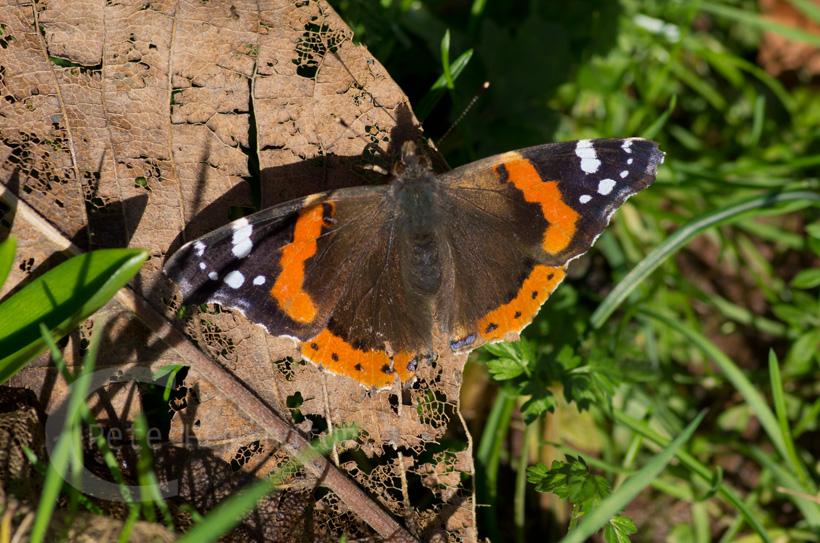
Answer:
x=373 y=281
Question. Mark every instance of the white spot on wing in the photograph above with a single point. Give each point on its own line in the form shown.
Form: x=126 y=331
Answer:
x=239 y=224
x=630 y=161
x=241 y=240
x=213 y=276
x=589 y=159
x=585 y=198
x=234 y=279
x=259 y=280
x=605 y=186
x=627 y=146
x=624 y=173
x=242 y=249
x=199 y=247
x=202 y=266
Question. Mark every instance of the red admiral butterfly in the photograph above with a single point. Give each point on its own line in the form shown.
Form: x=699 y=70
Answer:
x=372 y=281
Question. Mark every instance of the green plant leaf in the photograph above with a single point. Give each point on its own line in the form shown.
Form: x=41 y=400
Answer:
x=618 y=500
x=694 y=466
x=61 y=299
x=807 y=279
x=571 y=481
x=6 y=258
x=505 y=368
x=813 y=230
x=439 y=88
x=803 y=349
x=619 y=529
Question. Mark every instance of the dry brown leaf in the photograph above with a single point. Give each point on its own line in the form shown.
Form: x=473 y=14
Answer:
x=140 y=136
x=778 y=54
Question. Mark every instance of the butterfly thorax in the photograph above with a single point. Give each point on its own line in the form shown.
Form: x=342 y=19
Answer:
x=415 y=193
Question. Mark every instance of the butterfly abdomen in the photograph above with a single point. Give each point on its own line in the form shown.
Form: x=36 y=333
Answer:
x=417 y=207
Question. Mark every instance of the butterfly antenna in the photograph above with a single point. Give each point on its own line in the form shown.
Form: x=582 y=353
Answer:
x=478 y=94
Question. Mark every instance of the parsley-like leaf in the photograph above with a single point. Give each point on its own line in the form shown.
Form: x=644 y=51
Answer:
x=572 y=481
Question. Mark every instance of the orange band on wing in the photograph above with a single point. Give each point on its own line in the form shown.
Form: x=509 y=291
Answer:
x=514 y=316
x=562 y=217
x=370 y=368
x=287 y=290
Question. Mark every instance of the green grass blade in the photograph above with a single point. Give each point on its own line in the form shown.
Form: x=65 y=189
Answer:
x=725 y=215
x=61 y=457
x=779 y=400
x=61 y=299
x=520 y=498
x=757 y=121
x=445 y=60
x=439 y=88
x=805 y=502
x=809 y=419
x=128 y=526
x=774 y=85
x=734 y=374
x=619 y=499
x=763 y=23
x=488 y=457
x=696 y=467
x=656 y=127
x=700 y=85
x=6 y=257
x=733 y=311
x=147 y=477
x=96 y=432
x=478 y=7
x=808 y=8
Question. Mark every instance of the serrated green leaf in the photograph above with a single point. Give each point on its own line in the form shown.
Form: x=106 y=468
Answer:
x=541 y=401
x=537 y=473
x=501 y=349
x=619 y=529
x=61 y=299
x=807 y=279
x=611 y=535
x=503 y=369
x=589 y=491
x=625 y=524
